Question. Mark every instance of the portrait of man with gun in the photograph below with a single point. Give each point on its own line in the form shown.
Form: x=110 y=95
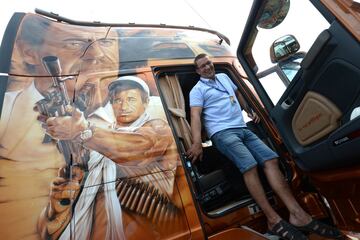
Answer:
x=30 y=160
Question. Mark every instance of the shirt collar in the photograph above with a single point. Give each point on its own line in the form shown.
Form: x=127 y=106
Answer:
x=36 y=94
x=106 y=113
x=207 y=80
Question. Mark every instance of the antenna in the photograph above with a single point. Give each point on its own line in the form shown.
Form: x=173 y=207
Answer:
x=197 y=13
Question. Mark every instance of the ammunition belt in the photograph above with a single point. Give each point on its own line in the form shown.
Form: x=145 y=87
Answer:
x=145 y=200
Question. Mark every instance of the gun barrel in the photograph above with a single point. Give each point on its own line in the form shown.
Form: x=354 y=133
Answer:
x=52 y=65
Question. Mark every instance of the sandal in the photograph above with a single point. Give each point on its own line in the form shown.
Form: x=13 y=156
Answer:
x=287 y=231
x=321 y=229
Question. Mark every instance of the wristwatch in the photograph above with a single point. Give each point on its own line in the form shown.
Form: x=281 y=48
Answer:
x=86 y=134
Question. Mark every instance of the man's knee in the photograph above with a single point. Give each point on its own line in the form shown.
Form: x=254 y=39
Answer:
x=252 y=179
x=271 y=163
x=250 y=172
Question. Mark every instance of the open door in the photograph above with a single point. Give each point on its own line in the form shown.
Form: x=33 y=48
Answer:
x=316 y=112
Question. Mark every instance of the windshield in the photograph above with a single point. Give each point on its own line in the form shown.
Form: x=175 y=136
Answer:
x=139 y=44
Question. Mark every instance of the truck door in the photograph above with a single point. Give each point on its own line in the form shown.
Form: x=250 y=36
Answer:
x=316 y=113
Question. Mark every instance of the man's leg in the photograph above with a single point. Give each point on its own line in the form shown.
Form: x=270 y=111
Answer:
x=230 y=143
x=268 y=159
x=252 y=181
x=298 y=216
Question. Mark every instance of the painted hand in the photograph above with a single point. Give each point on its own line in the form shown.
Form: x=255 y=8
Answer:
x=67 y=127
x=63 y=190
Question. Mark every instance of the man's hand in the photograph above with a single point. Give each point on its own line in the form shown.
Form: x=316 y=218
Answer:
x=195 y=152
x=63 y=191
x=254 y=116
x=67 y=127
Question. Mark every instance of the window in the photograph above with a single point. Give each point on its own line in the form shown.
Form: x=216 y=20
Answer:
x=275 y=77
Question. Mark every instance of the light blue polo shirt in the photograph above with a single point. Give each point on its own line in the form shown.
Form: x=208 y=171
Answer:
x=215 y=97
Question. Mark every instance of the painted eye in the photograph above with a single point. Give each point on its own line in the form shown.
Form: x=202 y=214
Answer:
x=74 y=45
x=117 y=101
x=106 y=42
x=132 y=100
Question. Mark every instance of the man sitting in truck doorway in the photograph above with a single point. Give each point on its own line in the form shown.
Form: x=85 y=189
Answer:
x=135 y=143
x=216 y=100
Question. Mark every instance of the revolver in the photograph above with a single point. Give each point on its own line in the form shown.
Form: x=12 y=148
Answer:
x=56 y=100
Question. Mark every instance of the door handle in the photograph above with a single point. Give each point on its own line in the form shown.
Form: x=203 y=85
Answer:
x=286 y=104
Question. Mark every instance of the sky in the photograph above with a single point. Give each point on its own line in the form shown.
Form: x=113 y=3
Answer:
x=226 y=16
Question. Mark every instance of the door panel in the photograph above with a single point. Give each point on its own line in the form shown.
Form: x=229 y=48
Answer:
x=314 y=108
x=334 y=75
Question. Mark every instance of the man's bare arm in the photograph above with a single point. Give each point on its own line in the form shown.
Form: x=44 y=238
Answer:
x=242 y=102
x=246 y=107
x=195 y=151
x=139 y=147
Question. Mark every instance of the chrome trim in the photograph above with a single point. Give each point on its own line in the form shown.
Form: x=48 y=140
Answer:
x=239 y=204
x=228 y=207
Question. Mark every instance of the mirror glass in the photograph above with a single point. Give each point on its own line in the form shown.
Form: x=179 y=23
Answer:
x=283 y=47
x=274 y=13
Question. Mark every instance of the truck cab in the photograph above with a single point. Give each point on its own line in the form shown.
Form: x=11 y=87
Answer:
x=126 y=175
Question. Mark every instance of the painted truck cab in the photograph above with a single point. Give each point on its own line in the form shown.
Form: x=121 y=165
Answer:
x=95 y=125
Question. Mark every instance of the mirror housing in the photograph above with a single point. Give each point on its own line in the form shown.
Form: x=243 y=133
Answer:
x=283 y=47
x=273 y=13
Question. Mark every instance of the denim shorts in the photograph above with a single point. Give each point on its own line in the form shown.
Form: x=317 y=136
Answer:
x=242 y=147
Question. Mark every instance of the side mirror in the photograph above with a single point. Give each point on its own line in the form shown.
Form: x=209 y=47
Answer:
x=274 y=12
x=283 y=47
